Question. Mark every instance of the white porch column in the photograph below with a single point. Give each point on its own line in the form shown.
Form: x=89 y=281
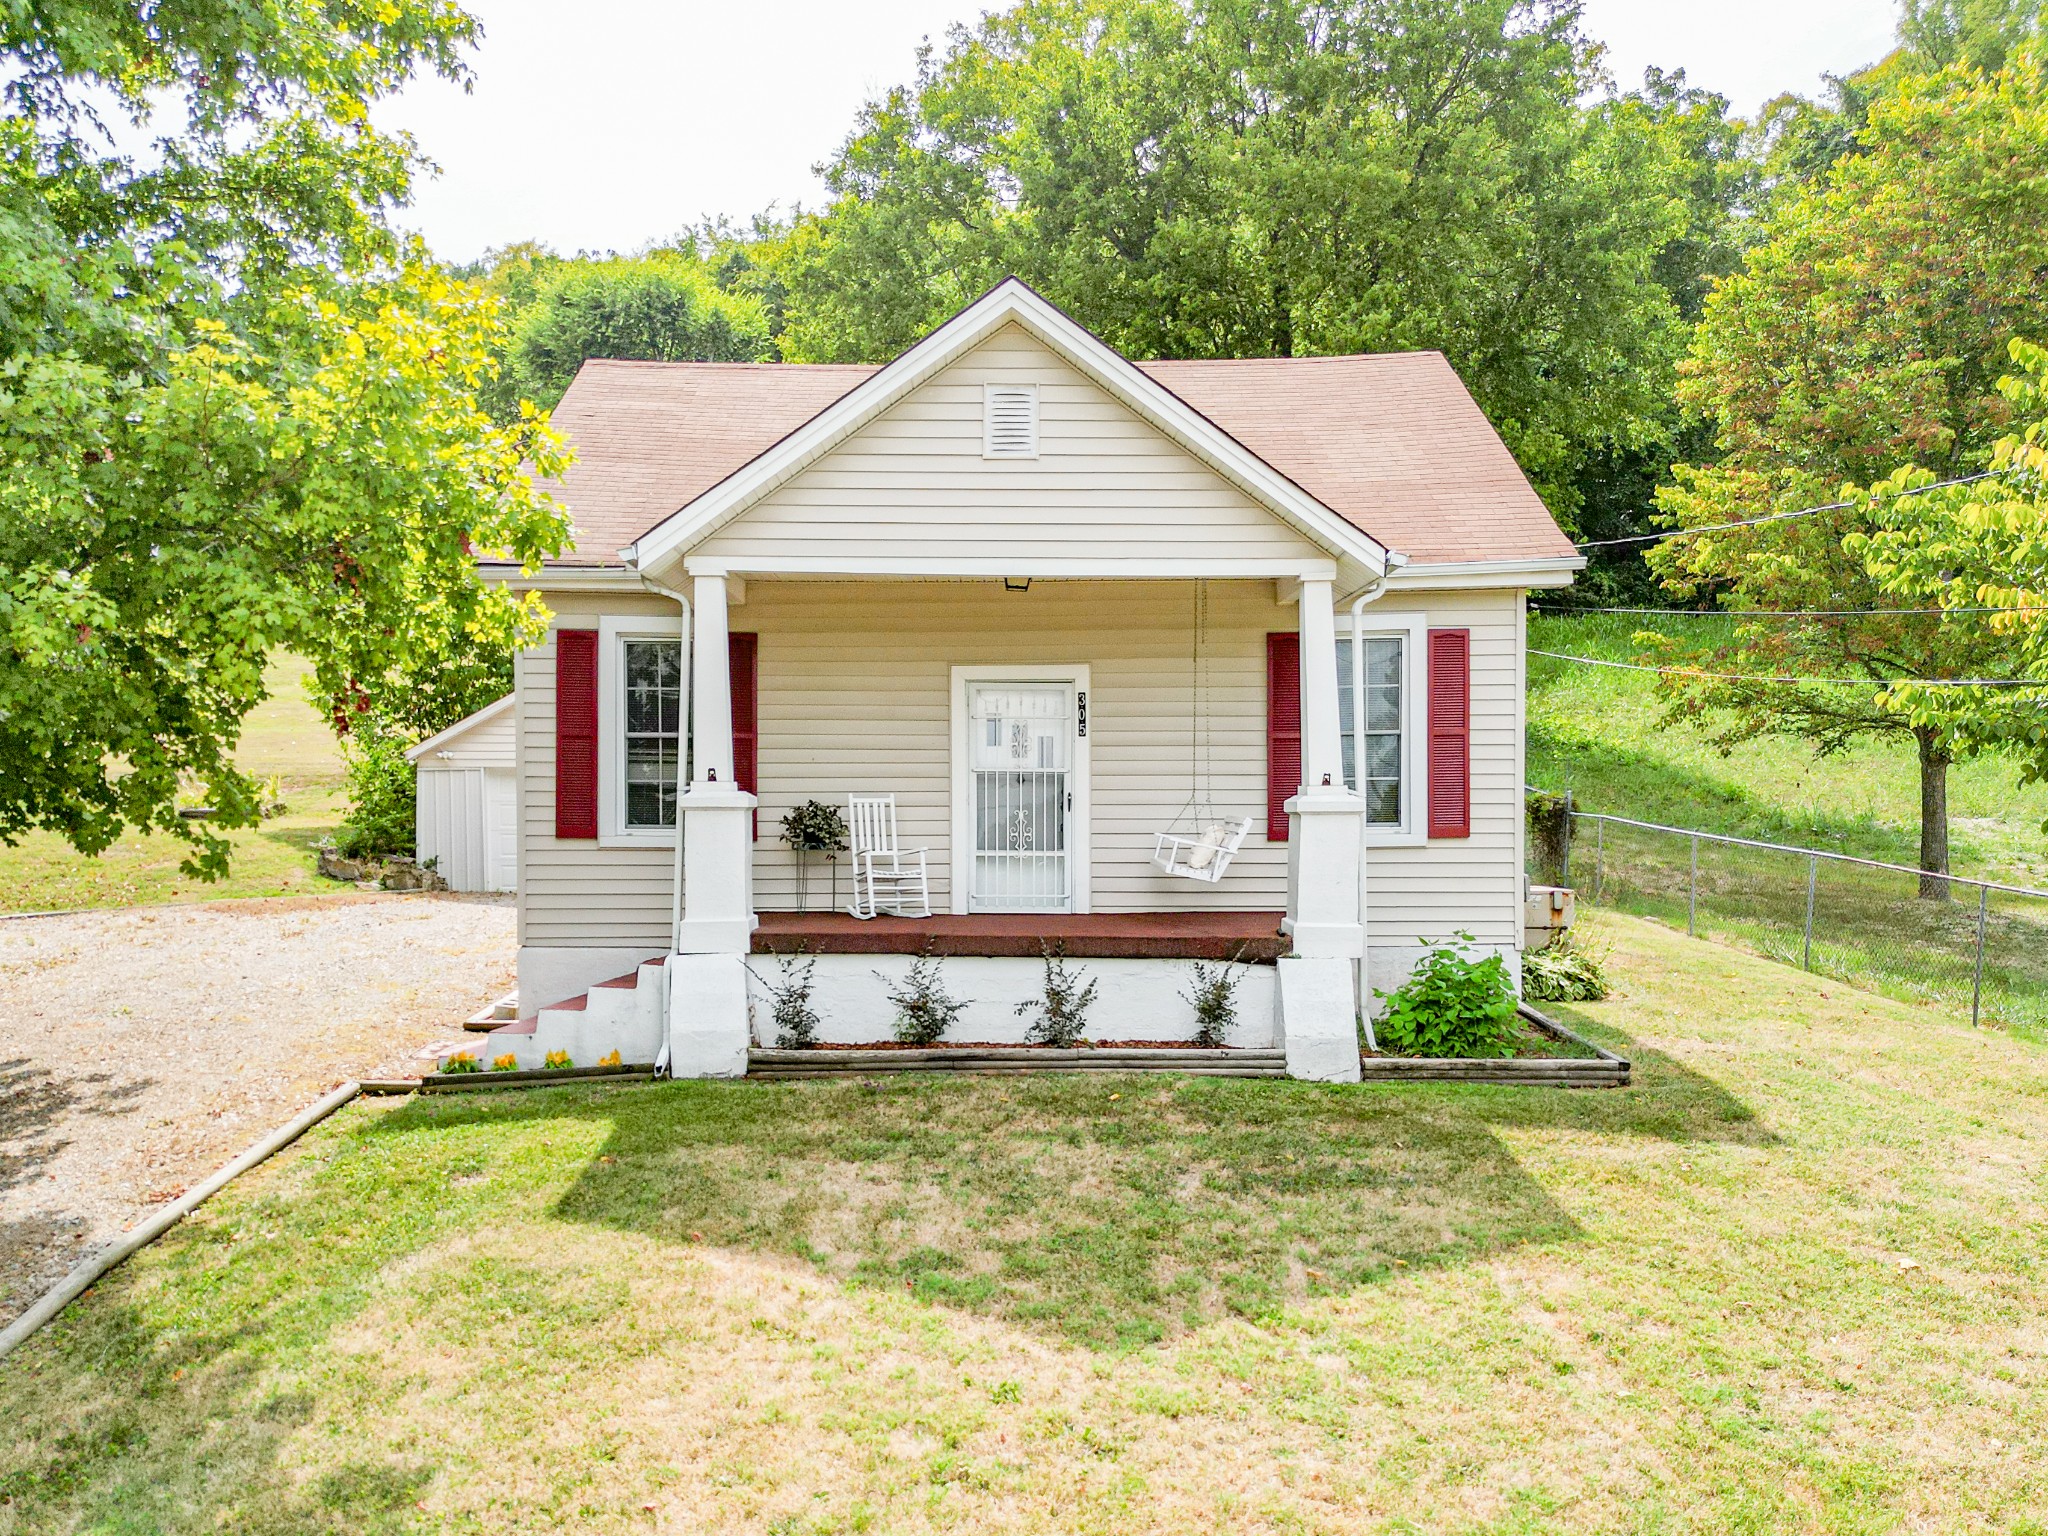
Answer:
x=1318 y=995
x=708 y=1020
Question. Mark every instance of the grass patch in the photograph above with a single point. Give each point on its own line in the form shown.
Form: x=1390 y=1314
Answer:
x=1791 y=1281
x=285 y=738
x=1596 y=732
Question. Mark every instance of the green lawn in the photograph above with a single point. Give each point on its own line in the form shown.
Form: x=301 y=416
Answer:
x=1791 y=1281
x=1595 y=731
x=284 y=738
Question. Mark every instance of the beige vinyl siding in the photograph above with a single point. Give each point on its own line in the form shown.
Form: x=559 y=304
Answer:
x=914 y=482
x=489 y=745
x=1427 y=891
x=576 y=894
x=855 y=696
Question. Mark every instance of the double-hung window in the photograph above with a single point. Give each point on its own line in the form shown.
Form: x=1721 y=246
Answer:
x=653 y=678
x=1381 y=757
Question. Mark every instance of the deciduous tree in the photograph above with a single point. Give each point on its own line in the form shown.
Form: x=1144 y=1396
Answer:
x=1864 y=333
x=237 y=414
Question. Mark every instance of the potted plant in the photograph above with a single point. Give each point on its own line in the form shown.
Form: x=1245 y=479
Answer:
x=814 y=827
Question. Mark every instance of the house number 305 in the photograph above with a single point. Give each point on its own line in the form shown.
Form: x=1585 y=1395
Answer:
x=1081 y=712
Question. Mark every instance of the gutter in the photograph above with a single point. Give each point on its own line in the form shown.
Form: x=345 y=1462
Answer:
x=1395 y=561
x=675 y=909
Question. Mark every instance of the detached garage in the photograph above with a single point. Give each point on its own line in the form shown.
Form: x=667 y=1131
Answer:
x=466 y=820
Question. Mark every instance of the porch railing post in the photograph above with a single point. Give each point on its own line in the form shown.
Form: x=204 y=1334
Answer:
x=1977 y=981
x=1692 y=890
x=1812 y=879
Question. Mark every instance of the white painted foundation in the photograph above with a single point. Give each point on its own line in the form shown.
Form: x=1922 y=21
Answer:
x=1134 y=999
x=1388 y=965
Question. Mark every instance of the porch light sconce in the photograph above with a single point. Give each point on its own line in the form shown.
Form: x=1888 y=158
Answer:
x=1016 y=583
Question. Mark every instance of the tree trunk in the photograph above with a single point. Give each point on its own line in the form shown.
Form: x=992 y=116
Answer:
x=1934 y=761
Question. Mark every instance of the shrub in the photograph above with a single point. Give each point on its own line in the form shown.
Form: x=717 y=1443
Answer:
x=1452 y=1005
x=558 y=1059
x=504 y=1063
x=1213 y=995
x=461 y=1061
x=1561 y=972
x=924 y=1011
x=796 y=1021
x=1063 y=1009
x=381 y=798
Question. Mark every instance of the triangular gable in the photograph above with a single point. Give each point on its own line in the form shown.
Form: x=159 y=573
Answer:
x=461 y=728
x=1010 y=302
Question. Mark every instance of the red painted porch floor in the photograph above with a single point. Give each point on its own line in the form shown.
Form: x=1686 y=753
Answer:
x=1253 y=936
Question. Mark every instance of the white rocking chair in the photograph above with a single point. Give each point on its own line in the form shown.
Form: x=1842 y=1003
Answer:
x=1206 y=855
x=885 y=876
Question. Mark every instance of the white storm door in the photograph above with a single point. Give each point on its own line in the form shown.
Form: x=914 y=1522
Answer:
x=1020 y=755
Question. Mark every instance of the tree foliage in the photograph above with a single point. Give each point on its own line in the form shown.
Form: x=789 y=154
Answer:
x=1982 y=545
x=663 y=307
x=1865 y=332
x=237 y=414
x=1266 y=177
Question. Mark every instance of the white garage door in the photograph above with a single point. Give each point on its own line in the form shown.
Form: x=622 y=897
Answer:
x=467 y=826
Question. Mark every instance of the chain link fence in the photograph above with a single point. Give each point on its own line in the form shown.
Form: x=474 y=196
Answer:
x=1976 y=948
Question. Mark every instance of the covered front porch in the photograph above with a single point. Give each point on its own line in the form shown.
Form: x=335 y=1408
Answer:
x=874 y=683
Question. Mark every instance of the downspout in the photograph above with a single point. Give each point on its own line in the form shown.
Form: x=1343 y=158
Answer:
x=675 y=908
x=1366 y=595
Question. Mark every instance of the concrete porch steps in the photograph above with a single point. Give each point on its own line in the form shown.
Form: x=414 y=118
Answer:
x=622 y=1015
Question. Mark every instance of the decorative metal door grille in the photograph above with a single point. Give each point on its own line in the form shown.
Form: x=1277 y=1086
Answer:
x=1021 y=758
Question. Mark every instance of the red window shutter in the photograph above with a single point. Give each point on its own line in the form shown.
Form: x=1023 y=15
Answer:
x=1283 y=729
x=1450 y=733
x=576 y=733
x=742 y=656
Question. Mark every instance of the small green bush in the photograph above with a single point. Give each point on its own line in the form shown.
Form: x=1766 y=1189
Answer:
x=1452 y=1005
x=1063 y=1009
x=796 y=1021
x=1561 y=972
x=924 y=1010
x=382 y=798
x=1213 y=996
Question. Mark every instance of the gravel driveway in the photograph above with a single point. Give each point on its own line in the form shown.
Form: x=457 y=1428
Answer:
x=144 y=1047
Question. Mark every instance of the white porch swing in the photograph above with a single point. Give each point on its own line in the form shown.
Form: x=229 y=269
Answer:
x=1201 y=844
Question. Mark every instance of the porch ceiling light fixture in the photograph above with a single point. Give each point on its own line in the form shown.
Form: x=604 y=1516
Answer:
x=1016 y=583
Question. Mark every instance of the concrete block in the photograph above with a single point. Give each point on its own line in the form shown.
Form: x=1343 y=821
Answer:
x=1318 y=1019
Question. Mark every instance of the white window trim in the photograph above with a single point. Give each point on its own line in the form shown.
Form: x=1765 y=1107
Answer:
x=614 y=631
x=1078 y=829
x=988 y=419
x=1413 y=630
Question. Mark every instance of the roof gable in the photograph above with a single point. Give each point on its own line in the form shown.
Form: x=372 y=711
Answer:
x=1010 y=303
x=915 y=488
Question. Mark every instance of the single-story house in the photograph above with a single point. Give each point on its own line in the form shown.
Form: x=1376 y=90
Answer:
x=466 y=827
x=1056 y=603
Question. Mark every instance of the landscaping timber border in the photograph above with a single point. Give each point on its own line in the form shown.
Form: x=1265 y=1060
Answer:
x=1603 y=1069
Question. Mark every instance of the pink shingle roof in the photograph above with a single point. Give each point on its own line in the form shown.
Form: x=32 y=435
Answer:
x=1391 y=442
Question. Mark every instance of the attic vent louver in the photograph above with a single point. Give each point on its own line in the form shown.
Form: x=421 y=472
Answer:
x=1009 y=422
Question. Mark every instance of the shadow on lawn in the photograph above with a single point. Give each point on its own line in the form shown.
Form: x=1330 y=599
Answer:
x=1111 y=1212
x=1101 y=1212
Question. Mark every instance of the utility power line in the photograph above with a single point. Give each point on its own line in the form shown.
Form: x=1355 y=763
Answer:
x=1759 y=677
x=1783 y=517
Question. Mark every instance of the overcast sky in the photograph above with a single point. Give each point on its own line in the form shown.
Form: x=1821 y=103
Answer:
x=609 y=123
